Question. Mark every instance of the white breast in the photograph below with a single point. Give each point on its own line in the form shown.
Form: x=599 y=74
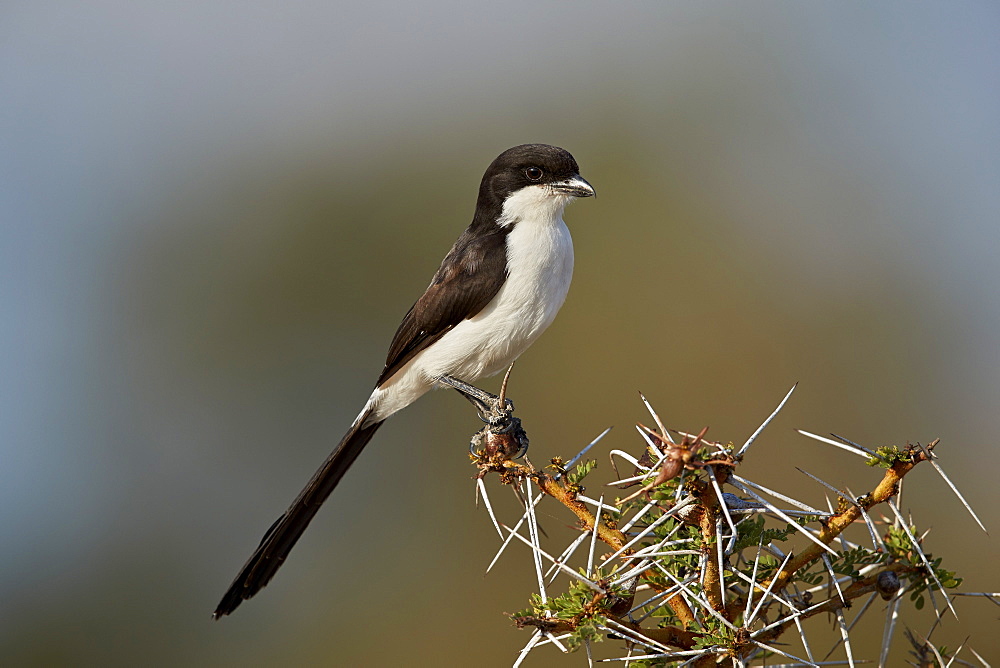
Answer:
x=539 y=270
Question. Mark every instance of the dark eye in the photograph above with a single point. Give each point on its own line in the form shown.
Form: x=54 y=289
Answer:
x=533 y=173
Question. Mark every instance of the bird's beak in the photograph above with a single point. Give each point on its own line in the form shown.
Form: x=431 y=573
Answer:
x=576 y=186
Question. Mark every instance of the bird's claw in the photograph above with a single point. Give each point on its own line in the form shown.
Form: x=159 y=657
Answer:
x=496 y=413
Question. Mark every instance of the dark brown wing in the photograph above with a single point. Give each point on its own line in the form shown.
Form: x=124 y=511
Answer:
x=468 y=279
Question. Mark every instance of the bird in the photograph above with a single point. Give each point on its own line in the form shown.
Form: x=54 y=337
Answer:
x=498 y=288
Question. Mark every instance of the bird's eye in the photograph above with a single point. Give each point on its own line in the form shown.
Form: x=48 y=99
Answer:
x=533 y=173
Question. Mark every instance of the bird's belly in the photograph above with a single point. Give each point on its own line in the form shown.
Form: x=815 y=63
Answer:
x=499 y=334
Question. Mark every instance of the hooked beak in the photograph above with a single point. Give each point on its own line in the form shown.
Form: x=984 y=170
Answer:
x=576 y=186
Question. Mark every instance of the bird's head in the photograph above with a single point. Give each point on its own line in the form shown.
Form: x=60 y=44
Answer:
x=531 y=179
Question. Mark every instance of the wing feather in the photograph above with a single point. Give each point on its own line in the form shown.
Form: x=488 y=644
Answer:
x=467 y=280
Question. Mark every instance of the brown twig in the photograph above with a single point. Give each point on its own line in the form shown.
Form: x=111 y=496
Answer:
x=859 y=588
x=835 y=525
x=510 y=471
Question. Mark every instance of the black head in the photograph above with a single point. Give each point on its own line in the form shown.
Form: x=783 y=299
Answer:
x=530 y=165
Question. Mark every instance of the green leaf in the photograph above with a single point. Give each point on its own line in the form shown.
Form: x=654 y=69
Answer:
x=581 y=471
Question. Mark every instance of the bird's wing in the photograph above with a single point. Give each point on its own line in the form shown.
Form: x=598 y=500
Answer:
x=468 y=279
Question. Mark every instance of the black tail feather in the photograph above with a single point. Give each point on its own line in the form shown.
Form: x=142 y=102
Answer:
x=281 y=537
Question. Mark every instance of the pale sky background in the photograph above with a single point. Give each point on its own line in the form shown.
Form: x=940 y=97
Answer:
x=213 y=214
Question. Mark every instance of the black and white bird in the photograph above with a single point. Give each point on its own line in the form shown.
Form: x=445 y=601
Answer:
x=497 y=290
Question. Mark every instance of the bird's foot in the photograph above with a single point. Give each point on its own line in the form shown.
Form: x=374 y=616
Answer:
x=503 y=433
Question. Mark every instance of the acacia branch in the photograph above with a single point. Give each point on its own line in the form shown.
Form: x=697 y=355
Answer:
x=836 y=524
x=713 y=582
x=493 y=459
x=857 y=589
x=607 y=608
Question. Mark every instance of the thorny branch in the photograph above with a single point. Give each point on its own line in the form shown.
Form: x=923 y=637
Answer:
x=494 y=457
x=887 y=488
x=859 y=588
x=736 y=607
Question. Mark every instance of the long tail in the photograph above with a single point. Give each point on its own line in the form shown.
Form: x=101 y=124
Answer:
x=281 y=537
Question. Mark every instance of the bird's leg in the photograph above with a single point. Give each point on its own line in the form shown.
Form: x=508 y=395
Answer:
x=495 y=411
x=484 y=402
x=498 y=414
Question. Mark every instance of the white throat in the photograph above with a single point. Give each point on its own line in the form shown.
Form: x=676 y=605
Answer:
x=534 y=204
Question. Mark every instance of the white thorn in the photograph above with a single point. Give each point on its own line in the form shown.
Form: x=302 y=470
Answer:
x=753 y=437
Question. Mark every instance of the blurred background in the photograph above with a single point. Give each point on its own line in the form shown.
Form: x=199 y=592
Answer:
x=214 y=215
